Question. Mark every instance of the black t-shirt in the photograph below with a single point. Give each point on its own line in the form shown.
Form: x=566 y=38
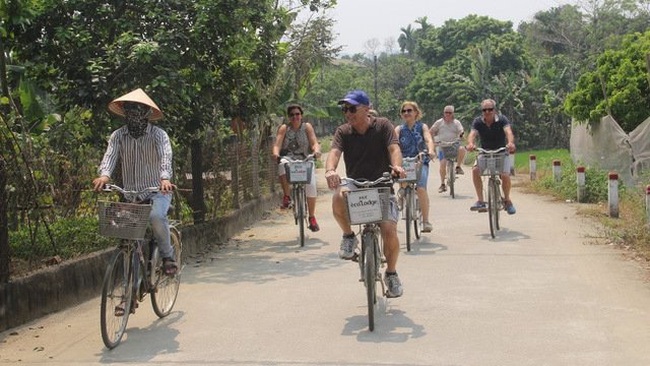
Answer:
x=494 y=136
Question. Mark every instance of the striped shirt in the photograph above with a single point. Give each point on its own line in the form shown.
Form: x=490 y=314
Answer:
x=145 y=161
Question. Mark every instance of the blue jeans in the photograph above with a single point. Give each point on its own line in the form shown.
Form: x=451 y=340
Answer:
x=424 y=176
x=160 y=224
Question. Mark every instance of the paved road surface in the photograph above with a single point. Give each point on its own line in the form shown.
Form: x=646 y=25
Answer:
x=541 y=293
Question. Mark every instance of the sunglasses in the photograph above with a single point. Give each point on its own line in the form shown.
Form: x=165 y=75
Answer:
x=448 y=112
x=294 y=114
x=409 y=110
x=349 y=108
x=487 y=109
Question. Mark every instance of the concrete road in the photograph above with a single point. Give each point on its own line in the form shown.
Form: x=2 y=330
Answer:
x=541 y=293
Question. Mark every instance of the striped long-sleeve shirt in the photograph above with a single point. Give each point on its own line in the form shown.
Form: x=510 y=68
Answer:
x=145 y=161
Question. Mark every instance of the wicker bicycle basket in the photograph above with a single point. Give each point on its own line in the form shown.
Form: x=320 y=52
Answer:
x=491 y=164
x=450 y=152
x=123 y=220
x=368 y=205
x=299 y=171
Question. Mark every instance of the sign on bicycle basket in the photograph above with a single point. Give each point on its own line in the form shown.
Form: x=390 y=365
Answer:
x=365 y=206
x=411 y=170
x=299 y=171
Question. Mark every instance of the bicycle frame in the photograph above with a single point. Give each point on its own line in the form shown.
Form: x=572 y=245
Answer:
x=411 y=203
x=494 y=168
x=451 y=164
x=298 y=178
x=370 y=260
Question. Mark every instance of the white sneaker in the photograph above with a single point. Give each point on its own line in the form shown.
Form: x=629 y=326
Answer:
x=348 y=245
x=393 y=284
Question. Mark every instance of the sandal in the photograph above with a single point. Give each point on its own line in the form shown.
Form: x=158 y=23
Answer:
x=169 y=266
x=119 y=309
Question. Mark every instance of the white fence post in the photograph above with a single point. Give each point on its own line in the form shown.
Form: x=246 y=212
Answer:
x=532 y=166
x=580 y=180
x=557 y=170
x=647 y=202
x=612 y=193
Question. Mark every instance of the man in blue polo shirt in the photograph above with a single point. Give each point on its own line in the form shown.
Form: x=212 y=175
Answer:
x=494 y=131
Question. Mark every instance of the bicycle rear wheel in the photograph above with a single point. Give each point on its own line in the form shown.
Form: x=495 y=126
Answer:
x=451 y=177
x=493 y=206
x=408 y=194
x=368 y=245
x=117 y=291
x=164 y=287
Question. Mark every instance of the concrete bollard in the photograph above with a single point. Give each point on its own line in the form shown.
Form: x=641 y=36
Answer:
x=647 y=203
x=580 y=180
x=557 y=170
x=532 y=166
x=612 y=194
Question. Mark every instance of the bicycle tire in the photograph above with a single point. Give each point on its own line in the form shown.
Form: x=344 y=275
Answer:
x=499 y=205
x=451 y=178
x=408 y=202
x=419 y=220
x=164 y=287
x=294 y=207
x=301 y=202
x=117 y=291
x=368 y=244
x=493 y=207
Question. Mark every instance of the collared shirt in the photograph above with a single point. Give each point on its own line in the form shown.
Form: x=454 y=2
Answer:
x=145 y=161
x=493 y=136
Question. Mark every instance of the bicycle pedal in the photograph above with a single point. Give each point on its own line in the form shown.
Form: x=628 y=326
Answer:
x=355 y=258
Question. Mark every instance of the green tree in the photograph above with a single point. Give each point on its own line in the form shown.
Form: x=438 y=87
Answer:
x=618 y=86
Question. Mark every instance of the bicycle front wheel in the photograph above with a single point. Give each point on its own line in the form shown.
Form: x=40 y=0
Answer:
x=417 y=215
x=408 y=193
x=301 y=202
x=493 y=206
x=117 y=291
x=368 y=244
x=164 y=287
x=451 y=174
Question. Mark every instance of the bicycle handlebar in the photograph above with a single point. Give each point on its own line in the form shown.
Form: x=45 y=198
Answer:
x=385 y=178
x=484 y=151
x=129 y=195
x=287 y=159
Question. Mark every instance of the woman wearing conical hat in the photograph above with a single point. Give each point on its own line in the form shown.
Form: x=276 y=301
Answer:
x=146 y=158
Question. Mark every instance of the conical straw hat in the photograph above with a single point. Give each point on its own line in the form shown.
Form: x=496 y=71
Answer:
x=138 y=96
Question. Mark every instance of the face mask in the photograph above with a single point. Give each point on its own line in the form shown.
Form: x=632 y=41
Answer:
x=137 y=118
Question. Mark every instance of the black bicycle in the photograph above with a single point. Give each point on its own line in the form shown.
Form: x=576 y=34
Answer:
x=299 y=174
x=491 y=164
x=368 y=206
x=136 y=269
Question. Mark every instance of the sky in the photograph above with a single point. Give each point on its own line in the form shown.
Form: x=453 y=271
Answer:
x=358 y=21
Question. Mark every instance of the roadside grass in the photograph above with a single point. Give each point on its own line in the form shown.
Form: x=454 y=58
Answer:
x=630 y=231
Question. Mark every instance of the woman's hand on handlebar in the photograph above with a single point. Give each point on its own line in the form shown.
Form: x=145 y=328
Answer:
x=100 y=182
x=166 y=186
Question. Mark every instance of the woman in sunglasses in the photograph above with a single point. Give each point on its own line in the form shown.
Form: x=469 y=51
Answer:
x=414 y=138
x=296 y=140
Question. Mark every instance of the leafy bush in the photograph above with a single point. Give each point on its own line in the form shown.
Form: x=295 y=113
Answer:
x=67 y=238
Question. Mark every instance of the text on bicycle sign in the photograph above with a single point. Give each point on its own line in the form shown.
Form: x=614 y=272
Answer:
x=364 y=206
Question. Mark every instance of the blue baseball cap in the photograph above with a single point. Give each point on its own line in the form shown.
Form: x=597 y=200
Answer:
x=356 y=97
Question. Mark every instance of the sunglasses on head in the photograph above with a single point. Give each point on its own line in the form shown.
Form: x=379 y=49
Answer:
x=487 y=109
x=407 y=110
x=349 y=108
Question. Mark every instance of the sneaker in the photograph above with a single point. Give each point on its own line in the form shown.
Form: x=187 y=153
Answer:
x=442 y=188
x=348 y=245
x=393 y=284
x=479 y=206
x=313 y=225
x=510 y=208
x=286 y=202
x=459 y=170
x=427 y=227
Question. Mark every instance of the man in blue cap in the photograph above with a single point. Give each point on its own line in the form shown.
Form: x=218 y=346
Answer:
x=369 y=147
